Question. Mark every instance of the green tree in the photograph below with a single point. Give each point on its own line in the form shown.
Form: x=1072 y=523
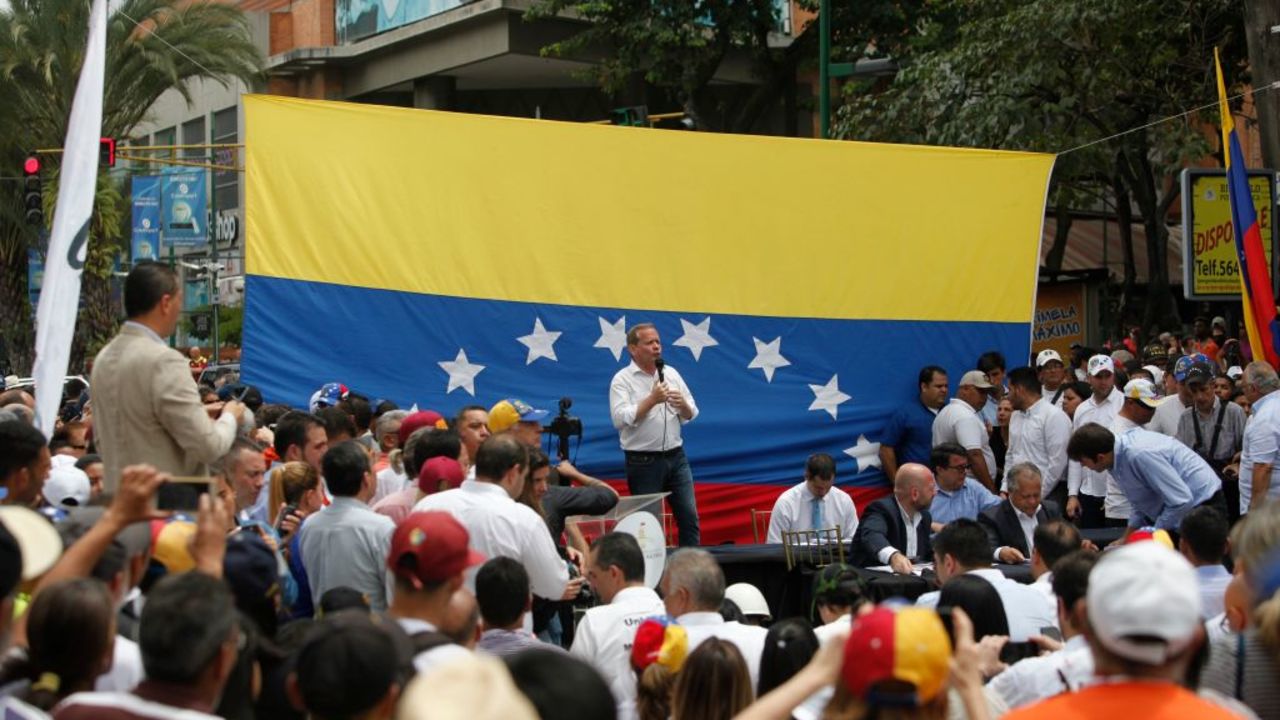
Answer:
x=677 y=46
x=42 y=46
x=1047 y=76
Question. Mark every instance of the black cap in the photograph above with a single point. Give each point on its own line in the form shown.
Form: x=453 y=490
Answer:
x=1199 y=373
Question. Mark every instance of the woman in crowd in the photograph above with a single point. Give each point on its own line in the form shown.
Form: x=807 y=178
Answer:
x=71 y=633
x=788 y=647
x=657 y=656
x=296 y=485
x=1072 y=395
x=1000 y=434
x=713 y=684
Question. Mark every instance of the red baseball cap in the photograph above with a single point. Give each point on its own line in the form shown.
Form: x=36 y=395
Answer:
x=420 y=419
x=438 y=470
x=429 y=547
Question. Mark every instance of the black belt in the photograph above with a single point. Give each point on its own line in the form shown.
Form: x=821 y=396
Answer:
x=673 y=452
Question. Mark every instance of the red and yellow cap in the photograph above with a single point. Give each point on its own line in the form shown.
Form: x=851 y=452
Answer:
x=896 y=656
x=659 y=640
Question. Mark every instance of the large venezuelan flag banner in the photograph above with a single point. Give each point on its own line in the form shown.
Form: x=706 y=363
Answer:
x=798 y=285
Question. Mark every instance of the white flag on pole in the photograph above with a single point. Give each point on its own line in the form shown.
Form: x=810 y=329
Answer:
x=77 y=186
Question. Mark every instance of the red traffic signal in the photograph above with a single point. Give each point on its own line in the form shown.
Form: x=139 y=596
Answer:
x=107 y=152
x=32 y=192
x=31 y=166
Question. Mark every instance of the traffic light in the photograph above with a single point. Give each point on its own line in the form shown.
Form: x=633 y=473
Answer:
x=107 y=152
x=32 y=192
x=636 y=116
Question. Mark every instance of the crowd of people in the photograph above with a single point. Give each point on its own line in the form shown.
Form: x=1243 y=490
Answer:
x=176 y=551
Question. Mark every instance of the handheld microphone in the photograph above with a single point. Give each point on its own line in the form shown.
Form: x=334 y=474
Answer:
x=660 y=364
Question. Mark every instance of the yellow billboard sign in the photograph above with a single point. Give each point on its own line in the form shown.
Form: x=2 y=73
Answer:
x=1211 y=270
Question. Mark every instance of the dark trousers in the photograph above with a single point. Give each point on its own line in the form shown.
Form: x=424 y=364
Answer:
x=1091 y=511
x=655 y=472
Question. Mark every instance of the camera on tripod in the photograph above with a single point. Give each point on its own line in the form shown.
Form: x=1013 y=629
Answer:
x=564 y=426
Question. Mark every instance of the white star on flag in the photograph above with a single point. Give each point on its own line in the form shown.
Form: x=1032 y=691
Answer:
x=866 y=453
x=696 y=337
x=828 y=397
x=613 y=336
x=541 y=342
x=768 y=357
x=462 y=373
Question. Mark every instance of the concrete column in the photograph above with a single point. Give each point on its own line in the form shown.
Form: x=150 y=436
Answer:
x=435 y=92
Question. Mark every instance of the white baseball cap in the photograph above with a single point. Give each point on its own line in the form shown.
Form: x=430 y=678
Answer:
x=1099 y=363
x=1156 y=373
x=1144 y=602
x=1234 y=372
x=1143 y=391
x=1047 y=356
x=976 y=378
x=68 y=485
x=748 y=599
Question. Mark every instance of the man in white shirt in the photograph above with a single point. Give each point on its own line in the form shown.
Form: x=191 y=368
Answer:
x=501 y=527
x=1086 y=489
x=430 y=552
x=1038 y=431
x=1069 y=668
x=1202 y=540
x=962 y=548
x=1260 y=458
x=1054 y=540
x=815 y=504
x=1052 y=373
x=346 y=543
x=615 y=569
x=649 y=403
x=894 y=530
x=960 y=423
x=693 y=590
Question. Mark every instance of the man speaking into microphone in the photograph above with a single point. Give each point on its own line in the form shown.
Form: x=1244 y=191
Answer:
x=649 y=402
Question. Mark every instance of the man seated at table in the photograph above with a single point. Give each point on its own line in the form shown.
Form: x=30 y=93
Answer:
x=1011 y=525
x=961 y=548
x=958 y=494
x=815 y=504
x=895 y=530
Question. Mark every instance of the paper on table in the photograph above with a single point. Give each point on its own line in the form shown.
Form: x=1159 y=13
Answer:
x=916 y=568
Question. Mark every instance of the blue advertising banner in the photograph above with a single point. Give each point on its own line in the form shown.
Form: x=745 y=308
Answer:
x=183 y=203
x=356 y=19
x=145 y=241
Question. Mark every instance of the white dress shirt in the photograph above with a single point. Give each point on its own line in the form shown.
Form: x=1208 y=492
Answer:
x=1213 y=587
x=1116 y=506
x=912 y=523
x=438 y=656
x=659 y=429
x=1027 y=610
x=346 y=545
x=604 y=637
x=1261 y=446
x=749 y=639
x=1039 y=435
x=794 y=511
x=1038 y=678
x=959 y=423
x=126 y=668
x=1167 y=416
x=502 y=527
x=1044 y=584
x=390 y=482
x=1082 y=480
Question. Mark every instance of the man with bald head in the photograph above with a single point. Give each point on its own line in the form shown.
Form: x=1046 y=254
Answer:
x=895 y=530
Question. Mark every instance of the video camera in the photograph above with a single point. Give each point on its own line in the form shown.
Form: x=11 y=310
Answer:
x=564 y=426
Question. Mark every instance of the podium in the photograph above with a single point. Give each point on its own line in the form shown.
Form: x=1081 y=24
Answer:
x=640 y=516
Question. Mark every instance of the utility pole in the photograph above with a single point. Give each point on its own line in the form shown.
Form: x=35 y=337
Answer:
x=1262 y=32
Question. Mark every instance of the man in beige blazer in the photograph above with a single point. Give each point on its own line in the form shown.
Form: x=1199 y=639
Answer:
x=145 y=405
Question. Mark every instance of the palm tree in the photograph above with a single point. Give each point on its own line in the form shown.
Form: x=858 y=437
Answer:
x=152 y=46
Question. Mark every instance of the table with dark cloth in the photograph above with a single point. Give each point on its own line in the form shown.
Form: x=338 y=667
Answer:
x=790 y=593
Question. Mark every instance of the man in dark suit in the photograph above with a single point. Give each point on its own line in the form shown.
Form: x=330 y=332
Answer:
x=1011 y=525
x=894 y=531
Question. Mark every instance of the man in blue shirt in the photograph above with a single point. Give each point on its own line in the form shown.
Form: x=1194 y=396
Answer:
x=1162 y=478
x=958 y=496
x=908 y=436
